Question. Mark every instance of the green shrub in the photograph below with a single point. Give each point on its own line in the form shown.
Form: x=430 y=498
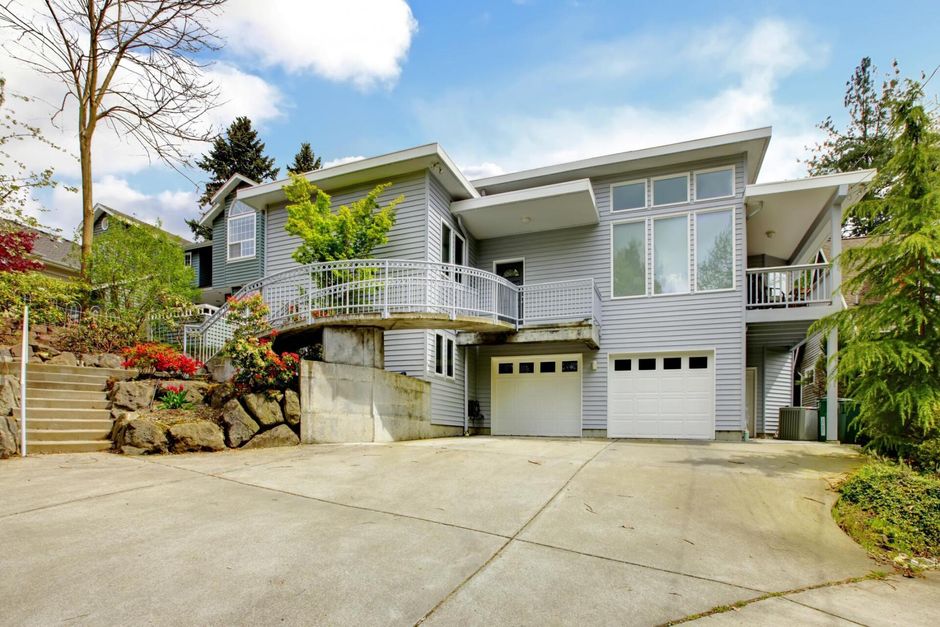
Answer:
x=109 y=333
x=926 y=456
x=889 y=508
x=47 y=296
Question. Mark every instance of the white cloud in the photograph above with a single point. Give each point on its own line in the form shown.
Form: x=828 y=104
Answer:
x=169 y=207
x=481 y=170
x=736 y=71
x=360 y=41
x=341 y=161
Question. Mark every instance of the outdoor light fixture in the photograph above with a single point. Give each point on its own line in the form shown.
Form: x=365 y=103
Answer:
x=526 y=219
x=770 y=234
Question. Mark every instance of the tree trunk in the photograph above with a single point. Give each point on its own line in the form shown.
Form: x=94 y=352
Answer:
x=88 y=210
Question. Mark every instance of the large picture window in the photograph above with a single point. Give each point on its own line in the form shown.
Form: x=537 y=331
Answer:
x=629 y=259
x=241 y=232
x=714 y=250
x=671 y=190
x=630 y=195
x=671 y=255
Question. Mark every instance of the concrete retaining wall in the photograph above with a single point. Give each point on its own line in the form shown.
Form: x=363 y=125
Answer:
x=347 y=403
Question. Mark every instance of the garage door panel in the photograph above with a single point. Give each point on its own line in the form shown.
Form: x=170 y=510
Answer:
x=544 y=401
x=662 y=403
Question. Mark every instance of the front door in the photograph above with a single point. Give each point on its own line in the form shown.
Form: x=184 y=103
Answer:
x=513 y=270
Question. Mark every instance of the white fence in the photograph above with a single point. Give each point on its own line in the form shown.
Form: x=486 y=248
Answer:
x=789 y=286
x=386 y=287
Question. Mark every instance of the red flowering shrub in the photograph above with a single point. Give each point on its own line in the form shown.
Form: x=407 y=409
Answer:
x=15 y=248
x=150 y=357
x=258 y=367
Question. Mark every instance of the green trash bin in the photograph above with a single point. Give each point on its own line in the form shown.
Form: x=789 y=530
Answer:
x=821 y=412
x=848 y=410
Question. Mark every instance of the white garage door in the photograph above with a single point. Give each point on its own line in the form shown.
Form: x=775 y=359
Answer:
x=536 y=395
x=661 y=396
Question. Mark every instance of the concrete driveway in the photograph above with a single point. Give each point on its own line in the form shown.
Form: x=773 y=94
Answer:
x=453 y=531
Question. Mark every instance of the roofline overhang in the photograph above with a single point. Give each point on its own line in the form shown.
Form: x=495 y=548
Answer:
x=215 y=202
x=857 y=177
x=754 y=142
x=389 y=165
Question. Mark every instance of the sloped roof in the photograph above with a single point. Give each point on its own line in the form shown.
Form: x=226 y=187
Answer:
x=120 y=215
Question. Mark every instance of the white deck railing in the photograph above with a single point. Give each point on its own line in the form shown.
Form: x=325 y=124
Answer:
x=303 y=296
x=789 y=286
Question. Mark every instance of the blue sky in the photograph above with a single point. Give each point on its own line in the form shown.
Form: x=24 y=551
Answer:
x=504 y=85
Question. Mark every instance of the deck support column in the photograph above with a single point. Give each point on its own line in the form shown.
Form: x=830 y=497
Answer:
x=832 y=340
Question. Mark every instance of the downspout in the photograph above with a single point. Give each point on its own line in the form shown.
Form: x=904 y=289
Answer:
x=466 y=396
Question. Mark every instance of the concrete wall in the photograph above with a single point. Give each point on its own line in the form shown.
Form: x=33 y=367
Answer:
x=344 y=403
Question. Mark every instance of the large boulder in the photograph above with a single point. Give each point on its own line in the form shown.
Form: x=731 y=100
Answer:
x=136 y=436
x=90 y=360
x=9 y=394
x=265 y=407
x=63 y=359
x=201 y=435
x=292 y=408
x=132 y=395
x=109 y=360
x=239 y=427
x=220 y=394
x=281 y=435
x=8 y=437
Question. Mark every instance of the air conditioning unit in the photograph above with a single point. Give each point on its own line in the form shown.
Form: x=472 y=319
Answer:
x=798 y=423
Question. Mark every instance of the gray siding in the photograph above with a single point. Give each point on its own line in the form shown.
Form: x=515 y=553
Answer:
x=661 y=323
x=405 y=351
x=812 y=353
x=777 y=386
x=228 y=274
x=195 y=257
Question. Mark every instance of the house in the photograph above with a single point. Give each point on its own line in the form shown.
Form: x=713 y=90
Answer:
x=655 y=293
x=59 y=256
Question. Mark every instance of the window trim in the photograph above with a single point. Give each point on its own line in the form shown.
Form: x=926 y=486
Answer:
x=734 y=250
x=688 y=243
x=228 y=234
x=646 y=194
x=808 y=380
x=449 y=348
x=675 y=175
x=734 y=178
x=104 y=223
x=453 y=237
x=646 y=258
x=188 y=259
x=496 y=262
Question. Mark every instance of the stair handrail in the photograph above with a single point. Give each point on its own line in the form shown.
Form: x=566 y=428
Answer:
x=24 y=359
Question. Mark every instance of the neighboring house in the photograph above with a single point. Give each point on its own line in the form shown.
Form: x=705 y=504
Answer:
x=656 y=293
x=59 y=256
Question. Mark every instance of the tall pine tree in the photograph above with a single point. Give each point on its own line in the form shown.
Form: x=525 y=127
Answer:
x=865 y=142
x=890 y=360
x=239 y=151
x=305 y=160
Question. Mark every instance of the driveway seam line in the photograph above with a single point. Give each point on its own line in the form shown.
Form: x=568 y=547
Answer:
x=337 y=503
x=816 y=609
x=502 y=548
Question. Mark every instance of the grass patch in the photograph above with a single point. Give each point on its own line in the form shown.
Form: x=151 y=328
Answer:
x=890 y=510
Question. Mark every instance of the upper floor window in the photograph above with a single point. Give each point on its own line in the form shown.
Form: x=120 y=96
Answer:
x=714 y=250
x=714 y=183
x=241 y=232
x=671 y=255
x=188 y=259
x=104 y=223
x=453 y=249
x=629 y=259
x=670 y=190
x=630 y=195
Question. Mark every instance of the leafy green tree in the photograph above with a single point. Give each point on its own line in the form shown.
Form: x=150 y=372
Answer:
x=238 y=151
x=305 y=160
x=351 y=232
x=866 y=141
x=890 y=360
x=137 y=271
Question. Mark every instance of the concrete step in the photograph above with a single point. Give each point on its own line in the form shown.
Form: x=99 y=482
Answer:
x=118 y=373
x=66 y=393
x=67 y=435
x=64 y=379
x=65 y=403
x=32 y=384
x=67 y=446
x=58 y=413
x=47 y=424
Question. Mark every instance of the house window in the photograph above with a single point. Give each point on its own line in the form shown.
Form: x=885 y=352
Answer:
x=241 y=232
x=670 y=190
x=717 y=183
x=453 y=249
x=188 y=260
x=671 y=255
x=446 y=249
x=628 y=248
x=443 y=355
x=630 y=195
x=104 y=223
x=714 y=250
x=808 y=376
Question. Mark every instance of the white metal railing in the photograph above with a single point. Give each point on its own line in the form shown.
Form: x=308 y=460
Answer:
x=560 y=301
x=301 y=296
x=789 y=286
x=169 y=327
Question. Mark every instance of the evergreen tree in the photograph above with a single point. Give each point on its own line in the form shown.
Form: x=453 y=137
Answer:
x=200 y=231
x=305 y=160
x=890 y=360
x=866 y=140
x=239 y=151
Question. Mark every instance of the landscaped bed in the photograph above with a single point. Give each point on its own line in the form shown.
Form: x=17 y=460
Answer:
x=893 y=511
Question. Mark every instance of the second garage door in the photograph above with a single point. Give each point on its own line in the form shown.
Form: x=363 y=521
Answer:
x=661 y=396
x=536 y=395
